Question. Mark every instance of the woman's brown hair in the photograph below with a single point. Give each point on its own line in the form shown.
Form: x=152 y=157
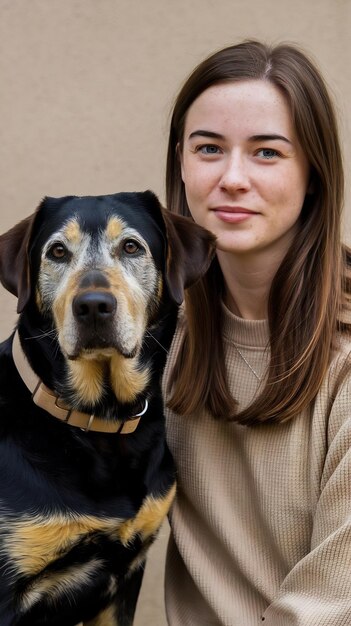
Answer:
x=311 y=290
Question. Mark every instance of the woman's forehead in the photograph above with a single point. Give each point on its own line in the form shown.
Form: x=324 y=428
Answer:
x=239 y=104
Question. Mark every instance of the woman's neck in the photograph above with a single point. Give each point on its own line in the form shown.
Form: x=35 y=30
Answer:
x=247 y=282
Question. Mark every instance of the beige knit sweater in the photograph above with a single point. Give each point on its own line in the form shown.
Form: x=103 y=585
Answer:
x=261 y=526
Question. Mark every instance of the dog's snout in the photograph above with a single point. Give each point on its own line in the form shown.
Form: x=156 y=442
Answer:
x=94 y=278
x=94 y=306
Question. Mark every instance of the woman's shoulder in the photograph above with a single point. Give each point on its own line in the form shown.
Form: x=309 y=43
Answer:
x=335 y=391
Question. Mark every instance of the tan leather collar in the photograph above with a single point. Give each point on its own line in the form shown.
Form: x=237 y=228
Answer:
x=46 y=399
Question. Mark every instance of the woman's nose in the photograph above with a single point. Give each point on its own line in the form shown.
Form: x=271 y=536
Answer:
x=235 y=175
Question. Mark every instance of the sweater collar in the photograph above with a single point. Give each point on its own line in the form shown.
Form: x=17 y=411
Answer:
x=251 y=333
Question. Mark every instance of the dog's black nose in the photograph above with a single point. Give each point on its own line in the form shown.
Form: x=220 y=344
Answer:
x=94 y=306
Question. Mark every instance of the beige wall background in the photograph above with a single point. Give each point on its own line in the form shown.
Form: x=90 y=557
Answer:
x=85 y=94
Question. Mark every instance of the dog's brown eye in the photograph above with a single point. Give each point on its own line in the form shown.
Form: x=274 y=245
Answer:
x=131 y=246
x=58 y=251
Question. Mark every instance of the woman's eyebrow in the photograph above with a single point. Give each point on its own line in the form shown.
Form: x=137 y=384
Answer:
x=206 y=133
x=254 y=138
x=269 y=137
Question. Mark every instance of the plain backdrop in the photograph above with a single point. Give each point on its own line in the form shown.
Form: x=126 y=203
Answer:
x=85 y=95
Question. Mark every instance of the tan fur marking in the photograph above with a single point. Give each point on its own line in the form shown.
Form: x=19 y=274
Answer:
x=126 y=379
x=34 y=543
x=105 y=618
x=148 y=519
x=72 y=232
x=58 y=534
x=114 y=228
x=159 y=288
x=87 y=379
x=38 y=299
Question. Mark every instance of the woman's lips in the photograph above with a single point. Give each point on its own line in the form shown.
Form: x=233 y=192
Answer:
x=233 y=215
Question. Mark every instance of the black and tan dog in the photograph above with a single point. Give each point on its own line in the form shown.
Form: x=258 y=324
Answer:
x=86 y=476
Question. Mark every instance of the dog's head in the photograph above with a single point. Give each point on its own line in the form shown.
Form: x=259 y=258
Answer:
x=101 y=266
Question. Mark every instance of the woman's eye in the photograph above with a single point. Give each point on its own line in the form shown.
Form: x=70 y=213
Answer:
x=131 y=246
x=58 y=251
x=267 y=153
x=208 y=149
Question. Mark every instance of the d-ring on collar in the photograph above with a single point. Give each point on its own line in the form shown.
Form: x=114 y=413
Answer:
x=46 y=399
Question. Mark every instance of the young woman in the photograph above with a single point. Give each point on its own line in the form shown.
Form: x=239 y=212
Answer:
x=259 y=376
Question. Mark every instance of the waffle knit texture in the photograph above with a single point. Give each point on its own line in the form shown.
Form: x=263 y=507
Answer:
x=261 y=525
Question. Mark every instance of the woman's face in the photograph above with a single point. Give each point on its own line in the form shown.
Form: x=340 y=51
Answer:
x=244 y=172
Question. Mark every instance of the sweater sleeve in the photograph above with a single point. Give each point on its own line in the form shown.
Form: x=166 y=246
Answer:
x=317 y=591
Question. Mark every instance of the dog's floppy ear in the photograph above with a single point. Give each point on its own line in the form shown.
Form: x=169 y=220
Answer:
x=190 y=251
x=14 y=261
